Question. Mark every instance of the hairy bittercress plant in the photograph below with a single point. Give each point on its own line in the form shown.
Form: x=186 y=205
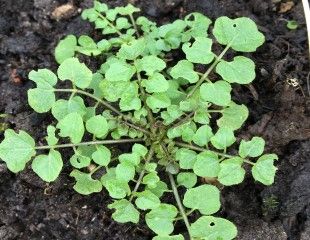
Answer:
x=165 y=109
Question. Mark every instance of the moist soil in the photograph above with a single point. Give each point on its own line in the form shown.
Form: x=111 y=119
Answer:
x=279 y=111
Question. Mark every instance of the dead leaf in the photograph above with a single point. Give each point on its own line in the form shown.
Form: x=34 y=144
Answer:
x=286 y=6
x=64 y=11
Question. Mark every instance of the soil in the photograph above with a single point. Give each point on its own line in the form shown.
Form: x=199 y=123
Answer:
x=279 y=111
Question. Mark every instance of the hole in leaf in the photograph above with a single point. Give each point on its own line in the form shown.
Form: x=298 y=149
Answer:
x=212 y=224
x=235 y=25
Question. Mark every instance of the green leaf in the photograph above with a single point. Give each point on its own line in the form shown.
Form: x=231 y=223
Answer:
x=184 y=69
x=125 y=171
x=160 y=189
x=124 y=211
x=85 y=185
x=205 y=198
x=62 y=107
x=213 y=228
x=72 y=126
x=48 y=167
x=160 y=219
x=174 y=237
x=211 y=91
x=186 y=158
x=150 y=64
x=173 y=112
x=65 y=48
x=79 y=161
x=98 y=126
x=253 y=148
x=117 y=188
x=292 y=24
x=202 y=116
x=132 y=50
x=87 y=46
x=264 y=170
x=158 y=100
x=133 y=158
x=41 y=100
x=112 y=91
x=51 y=137
x=123 y=23
x=207 y=164
x=78 y=73
x=187 y=179
x=198 y=23
x=233 y=116
x=151 y=179
x=241 y=70
x=203 y=135
x=119 y=71
x=127 y=10
x=231 y=171
x=102 y=156
x=100 y=7
x=223 y=138
x=16 y=149
x=240 y=33
x=156 y=83
x=147 y=200
x=139 y=149
x=44 y=78
x=200 y=51
x=130 y=98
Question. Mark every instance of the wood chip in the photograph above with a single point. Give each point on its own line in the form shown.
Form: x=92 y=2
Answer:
x=64 y=11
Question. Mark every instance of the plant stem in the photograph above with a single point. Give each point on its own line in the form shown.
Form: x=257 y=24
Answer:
x=66 y=145
x=134 y=24
x=184 y=120
x=147 y=160
x=107 y=105
x=179 y=203
x=209 y=70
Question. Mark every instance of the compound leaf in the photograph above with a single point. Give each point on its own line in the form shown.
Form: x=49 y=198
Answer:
x=17 y=149
x=48 y=167
x=253 y=148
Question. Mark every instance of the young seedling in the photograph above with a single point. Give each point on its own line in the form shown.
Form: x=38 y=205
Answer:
x=179 y=122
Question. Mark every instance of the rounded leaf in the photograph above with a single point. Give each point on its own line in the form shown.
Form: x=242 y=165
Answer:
x=207 y=164
x=98 y=126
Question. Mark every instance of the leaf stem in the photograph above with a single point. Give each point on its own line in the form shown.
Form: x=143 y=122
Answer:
x=200 y=149
x=179 y=203
x=66 y=145
x=109 y=23
x=107 y=105
x=209 y=70
x=134 y=24
x=147 y=160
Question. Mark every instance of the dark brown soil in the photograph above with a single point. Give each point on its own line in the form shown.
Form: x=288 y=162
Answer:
x=30 y=209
